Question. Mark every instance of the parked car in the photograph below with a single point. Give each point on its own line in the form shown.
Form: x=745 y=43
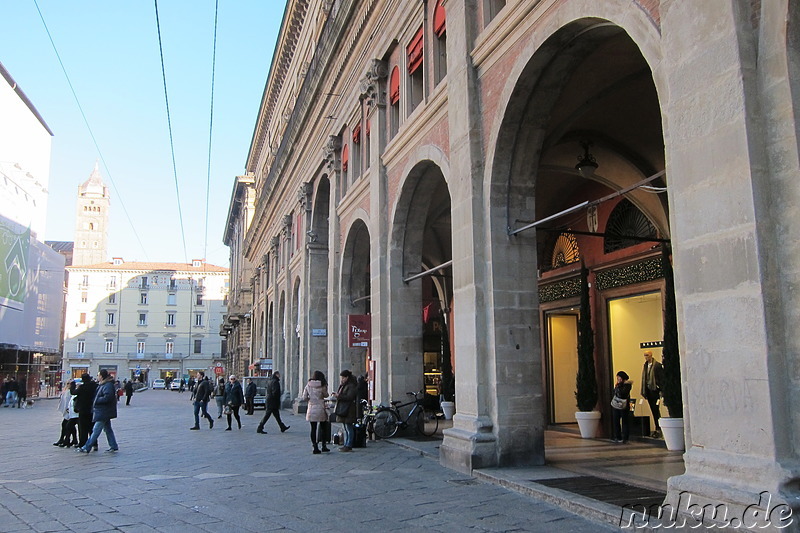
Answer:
x=260 y=400
x=175 y=384
x=158 y=384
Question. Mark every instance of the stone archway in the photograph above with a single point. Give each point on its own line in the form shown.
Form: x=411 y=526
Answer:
x=317 y=279
x=420 y=240
x=355 y=291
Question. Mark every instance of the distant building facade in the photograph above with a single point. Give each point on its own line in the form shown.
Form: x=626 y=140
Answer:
x=31 y=274
x=144 y=320
x=237 y=326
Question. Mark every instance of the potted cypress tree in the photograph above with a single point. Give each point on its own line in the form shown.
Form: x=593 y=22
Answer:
x=671 y=426
x=586 y=380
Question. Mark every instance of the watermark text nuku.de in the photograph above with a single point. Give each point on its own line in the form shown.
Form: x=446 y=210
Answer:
x=686 y=514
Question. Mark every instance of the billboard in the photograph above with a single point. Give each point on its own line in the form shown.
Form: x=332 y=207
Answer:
x=358 y=330
x=14 y=246
x=31 y=290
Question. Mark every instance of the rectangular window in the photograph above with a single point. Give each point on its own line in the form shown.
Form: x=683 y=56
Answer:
x=170 y=319
x=197 y=346
x=112 y=298
x=170 y=346
x=199 y=299
x=112 y=282
x=81 y=346
x=171 y=298
x=198 y=319
x=110 y=319
x=140 y=347
x=173 y=284
x=144 y=282
x=84 y=297
x=415 y=69
x=143 y=298
x=83 y=318
x=109 y=346
x=142 y=319
x=85 y=280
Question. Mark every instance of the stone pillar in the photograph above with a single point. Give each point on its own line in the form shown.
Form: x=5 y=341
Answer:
x=333 y=166
x=470 y=443
x=736 y=339
x=373 y=95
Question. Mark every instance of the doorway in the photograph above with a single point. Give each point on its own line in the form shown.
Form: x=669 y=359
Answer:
x=562 y=346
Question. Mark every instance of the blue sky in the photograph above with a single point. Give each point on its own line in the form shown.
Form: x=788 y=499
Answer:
x=110 y=51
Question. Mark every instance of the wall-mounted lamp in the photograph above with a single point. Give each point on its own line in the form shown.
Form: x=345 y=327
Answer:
x=586 y=162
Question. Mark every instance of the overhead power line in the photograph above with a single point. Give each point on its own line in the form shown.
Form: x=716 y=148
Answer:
x=91 y=133
x=171 y=143
x=211 y=124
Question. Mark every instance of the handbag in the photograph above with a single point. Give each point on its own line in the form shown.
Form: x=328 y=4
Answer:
x=619 y=403
x=227 y=410
x=341 y=409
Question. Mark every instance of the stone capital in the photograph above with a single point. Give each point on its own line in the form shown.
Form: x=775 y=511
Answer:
x=372 y=85
x=330 y=152
x=304 y=195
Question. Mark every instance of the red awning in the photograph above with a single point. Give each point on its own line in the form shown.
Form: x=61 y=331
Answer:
x=345 y=155
x=415 y=52
x=357 y=134
x=394 y=86
x=439 y=19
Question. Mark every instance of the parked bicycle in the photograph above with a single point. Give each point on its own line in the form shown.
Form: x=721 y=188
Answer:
x=385 y=421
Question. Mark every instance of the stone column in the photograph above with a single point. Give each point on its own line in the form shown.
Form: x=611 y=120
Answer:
x=332 y=164
x=470 y=443
x=736 y=337
x=373 y=94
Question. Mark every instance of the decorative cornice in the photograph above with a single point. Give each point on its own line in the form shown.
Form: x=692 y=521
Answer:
x=331 y=150
x=304 y=195
x=373 y=86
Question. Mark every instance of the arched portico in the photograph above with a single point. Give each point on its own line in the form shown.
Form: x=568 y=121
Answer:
x=354 y=293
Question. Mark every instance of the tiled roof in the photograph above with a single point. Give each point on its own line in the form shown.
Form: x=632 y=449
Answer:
x=152 y=267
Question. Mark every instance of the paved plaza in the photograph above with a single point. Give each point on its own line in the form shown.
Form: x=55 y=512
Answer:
x=166 y=478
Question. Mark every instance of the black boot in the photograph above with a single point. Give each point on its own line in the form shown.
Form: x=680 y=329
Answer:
x=316 y=449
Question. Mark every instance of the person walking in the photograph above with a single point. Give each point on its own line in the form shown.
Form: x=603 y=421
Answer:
x=84 y=392
x=234 y=398
x=273 y=406
x=346 y=408
x=621 y=417
x=314 y=393
x=11 y=392
x=202 y=395
x=249 y=396
x=652 y=379
x=128 y=392
x=104 y=409
x=219 y=395
x=22 y=394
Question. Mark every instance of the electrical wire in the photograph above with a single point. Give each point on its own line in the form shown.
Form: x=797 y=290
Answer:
x=211 y=125
x=171 y=142
x=91 y=133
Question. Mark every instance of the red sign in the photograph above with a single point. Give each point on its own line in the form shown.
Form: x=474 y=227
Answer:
x=218 y=370
x=358 y=330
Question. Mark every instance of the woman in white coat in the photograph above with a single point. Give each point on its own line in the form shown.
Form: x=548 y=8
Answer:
x=315 y=392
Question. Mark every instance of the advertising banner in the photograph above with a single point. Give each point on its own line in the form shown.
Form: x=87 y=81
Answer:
x=358 y=331
x=14 y=245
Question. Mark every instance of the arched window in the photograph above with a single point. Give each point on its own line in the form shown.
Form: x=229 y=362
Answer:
x=565 y=251
x=624 y=222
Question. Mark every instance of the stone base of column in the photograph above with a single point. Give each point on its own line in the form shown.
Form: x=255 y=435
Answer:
x=469 y=444
x=731 y=490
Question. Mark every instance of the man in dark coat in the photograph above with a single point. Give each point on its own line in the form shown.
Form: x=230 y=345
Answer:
x=84 y=398
x=201 y=396
x=128 y=392
x=104 y=409
x=273 y=404
x=249 y=396
x=652 y=378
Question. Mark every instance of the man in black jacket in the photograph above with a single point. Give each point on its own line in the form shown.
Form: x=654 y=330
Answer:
x=652 y=378
x=273 y=403
x=202 y=394
x=84 y=398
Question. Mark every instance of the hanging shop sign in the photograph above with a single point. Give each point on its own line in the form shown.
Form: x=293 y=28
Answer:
x=358 y=330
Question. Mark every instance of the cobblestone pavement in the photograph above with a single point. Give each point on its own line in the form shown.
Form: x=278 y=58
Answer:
x=166 y=478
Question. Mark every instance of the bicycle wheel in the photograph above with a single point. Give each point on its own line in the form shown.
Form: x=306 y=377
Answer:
x=385 y=424
x=427 y=422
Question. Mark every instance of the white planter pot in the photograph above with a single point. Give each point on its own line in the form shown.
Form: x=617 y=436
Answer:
x=449 y=409
x=672 y=429
x=588 y=422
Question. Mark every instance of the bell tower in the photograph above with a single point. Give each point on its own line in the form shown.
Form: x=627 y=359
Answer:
x=91 y=229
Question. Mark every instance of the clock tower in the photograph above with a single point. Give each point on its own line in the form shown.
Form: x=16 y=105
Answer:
x=91 y=229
